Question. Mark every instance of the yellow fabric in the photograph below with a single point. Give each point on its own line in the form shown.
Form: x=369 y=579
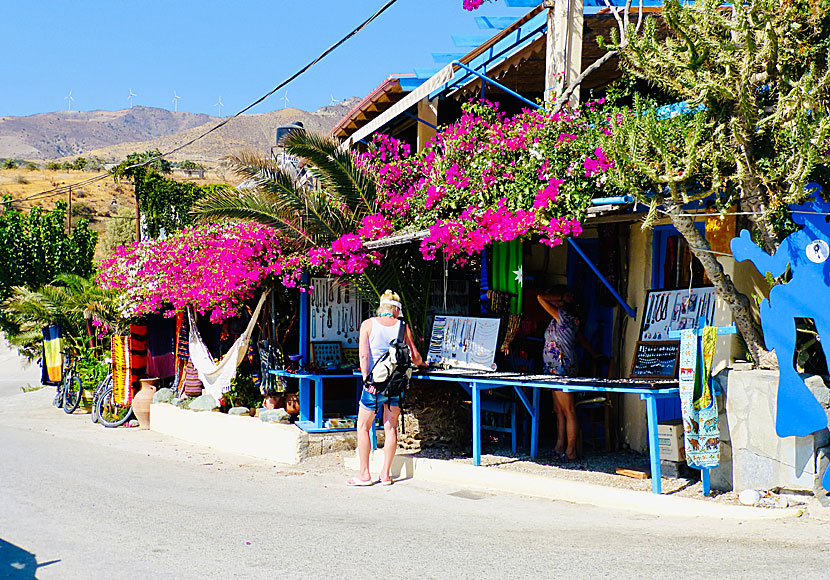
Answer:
x=121 y=375
x=719 y=232
x=53 y=359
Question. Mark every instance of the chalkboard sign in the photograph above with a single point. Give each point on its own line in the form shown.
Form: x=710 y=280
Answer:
x=656 y=360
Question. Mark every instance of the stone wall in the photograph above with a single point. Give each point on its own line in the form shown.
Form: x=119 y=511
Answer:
x=435 y=415
x=760 y=459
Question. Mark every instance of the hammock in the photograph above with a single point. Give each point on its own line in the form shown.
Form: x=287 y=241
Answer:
x=216 y=378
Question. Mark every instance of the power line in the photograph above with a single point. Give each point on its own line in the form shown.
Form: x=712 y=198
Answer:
x=325 y=53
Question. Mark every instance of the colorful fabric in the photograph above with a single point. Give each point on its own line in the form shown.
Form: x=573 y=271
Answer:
x=559 y=354
x=191 y=385
x=700 y=425
x=52 y=373
x=121 y=375
x=217 y=377
x=161 y=343
x=138 y=354
x=507 y=272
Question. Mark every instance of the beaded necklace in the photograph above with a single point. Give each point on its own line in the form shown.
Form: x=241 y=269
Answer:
x=389 y=314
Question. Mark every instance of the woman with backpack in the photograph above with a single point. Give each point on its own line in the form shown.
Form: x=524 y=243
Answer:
x=376 y=334
x=559 y=358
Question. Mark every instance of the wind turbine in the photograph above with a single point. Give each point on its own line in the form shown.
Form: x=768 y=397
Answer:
x=130 y=98
x=176 y=102
x=333 y=100
x=285 y=100
x=70 y=99
x=219 y=104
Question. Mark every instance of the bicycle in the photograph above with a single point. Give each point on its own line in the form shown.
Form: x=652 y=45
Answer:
x=105 y=383
x=105 y=409
x=71 y=388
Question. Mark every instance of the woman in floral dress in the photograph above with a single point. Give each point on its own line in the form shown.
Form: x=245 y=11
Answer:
x=559 y=358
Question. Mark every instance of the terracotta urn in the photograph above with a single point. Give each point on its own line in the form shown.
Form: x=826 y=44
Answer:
x=292 y=403
x=142 y=401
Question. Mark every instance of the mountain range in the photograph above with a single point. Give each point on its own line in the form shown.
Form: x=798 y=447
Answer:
x=112 y=135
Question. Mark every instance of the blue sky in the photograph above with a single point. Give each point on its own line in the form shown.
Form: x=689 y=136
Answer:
x=239 y=50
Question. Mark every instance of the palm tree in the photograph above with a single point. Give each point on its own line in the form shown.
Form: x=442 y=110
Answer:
x=69 y=301
x=326 y=201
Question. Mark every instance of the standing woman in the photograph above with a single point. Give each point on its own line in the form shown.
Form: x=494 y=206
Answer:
x=375 y=335
x=559 y=358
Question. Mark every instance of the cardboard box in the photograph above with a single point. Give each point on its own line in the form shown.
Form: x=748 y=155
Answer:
x=670 y=440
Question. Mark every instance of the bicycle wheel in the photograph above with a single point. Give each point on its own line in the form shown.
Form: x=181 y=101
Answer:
x=106 y=383
x=111 y=413
x=72 y=394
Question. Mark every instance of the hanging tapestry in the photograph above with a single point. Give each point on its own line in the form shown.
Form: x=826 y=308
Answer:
x=52 y=372
x=217 y=377
x=121 y=375
x=697 y=402
x=507 y=272
x=161 y=343
x=138 y=354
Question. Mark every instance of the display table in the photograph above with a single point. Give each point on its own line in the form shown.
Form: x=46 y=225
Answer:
x=649 y=391
x=305 y=379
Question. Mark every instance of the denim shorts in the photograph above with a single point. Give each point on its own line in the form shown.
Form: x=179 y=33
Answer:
x=375 y=403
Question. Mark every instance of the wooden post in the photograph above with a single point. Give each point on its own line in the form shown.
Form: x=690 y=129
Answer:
x=563 y=51
x=137 y=212
x=550 y=69
x=428 y=111
x=69 y=225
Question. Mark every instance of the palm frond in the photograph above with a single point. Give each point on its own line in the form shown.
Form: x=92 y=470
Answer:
x=335 y=169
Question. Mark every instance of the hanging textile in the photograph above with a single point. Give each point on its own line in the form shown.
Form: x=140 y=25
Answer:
x=697 y=403
x=217 y=378
x=182 y=350
x=138 y=354
x=507 y=272
x=191 y=385
x=161 y=342
x=121 y=375
x=52 y=367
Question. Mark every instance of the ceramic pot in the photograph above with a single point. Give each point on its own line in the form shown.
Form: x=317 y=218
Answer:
x=292 y=403
x=142 y=401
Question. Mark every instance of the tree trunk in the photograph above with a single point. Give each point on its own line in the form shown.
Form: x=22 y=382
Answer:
x=738 y=303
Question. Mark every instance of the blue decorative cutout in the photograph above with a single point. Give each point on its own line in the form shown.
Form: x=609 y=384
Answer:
x=807 y=295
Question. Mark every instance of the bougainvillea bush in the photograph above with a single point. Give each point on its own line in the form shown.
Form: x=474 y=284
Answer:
x=489 y=177
x=213 y=268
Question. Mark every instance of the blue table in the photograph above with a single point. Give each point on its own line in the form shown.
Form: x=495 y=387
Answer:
x=305 y=379
x=649 y=391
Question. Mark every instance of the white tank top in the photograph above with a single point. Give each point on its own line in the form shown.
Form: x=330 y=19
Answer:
x=379 y=338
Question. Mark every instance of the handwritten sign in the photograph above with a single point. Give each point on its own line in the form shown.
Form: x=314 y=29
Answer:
x=656 y=360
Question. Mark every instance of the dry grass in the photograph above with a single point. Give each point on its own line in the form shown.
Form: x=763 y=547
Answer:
x=97 y=197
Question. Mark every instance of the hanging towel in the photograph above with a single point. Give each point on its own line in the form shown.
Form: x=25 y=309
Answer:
x=217 y=378
x=52 y=372
x=121 y=375
x=697 y=403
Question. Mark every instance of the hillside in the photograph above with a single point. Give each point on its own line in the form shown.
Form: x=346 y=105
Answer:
x=112 y=135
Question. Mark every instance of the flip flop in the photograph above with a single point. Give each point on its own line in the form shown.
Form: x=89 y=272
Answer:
x=385 y=481
x=356 y=482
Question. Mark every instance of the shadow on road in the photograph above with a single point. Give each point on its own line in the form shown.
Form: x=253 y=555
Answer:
x=18 y=564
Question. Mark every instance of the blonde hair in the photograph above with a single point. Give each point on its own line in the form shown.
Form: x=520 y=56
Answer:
x=386 y=300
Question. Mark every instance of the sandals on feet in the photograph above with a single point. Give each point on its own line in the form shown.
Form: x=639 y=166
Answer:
x=385 y=481
x=357 y=482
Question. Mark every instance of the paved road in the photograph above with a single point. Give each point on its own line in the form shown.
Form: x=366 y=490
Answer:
x=15 y=371
x=79 y=502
